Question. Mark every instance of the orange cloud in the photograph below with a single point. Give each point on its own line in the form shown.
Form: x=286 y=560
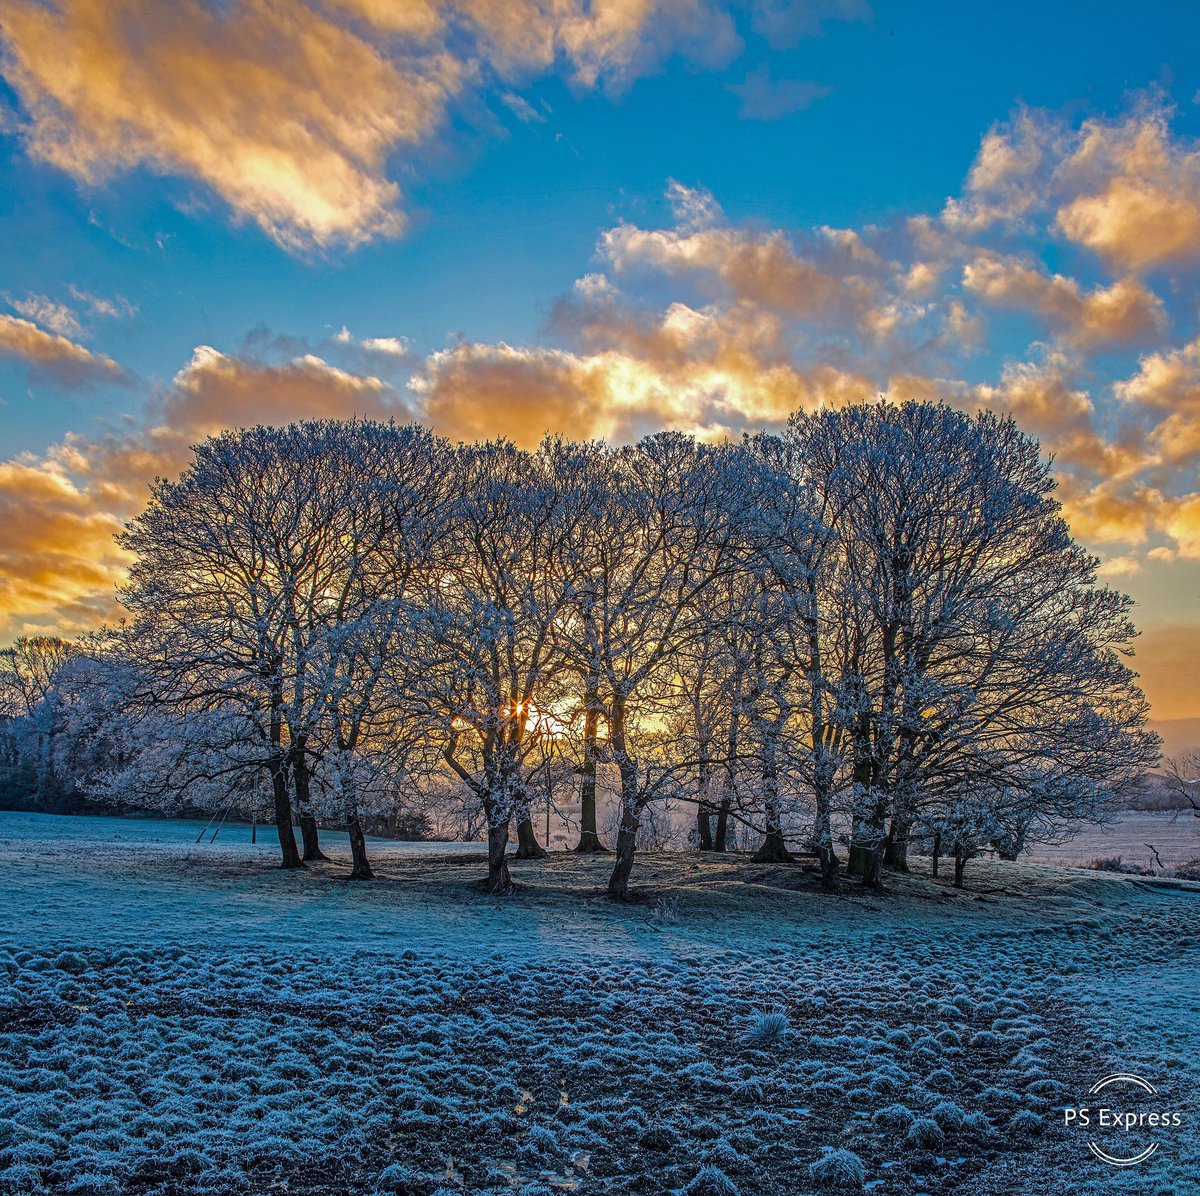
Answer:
x=58 y=562
x=709 y=372
x=1140 y=200
x=289 y=117
x=54 y=356
x=762 y=269
x=290 y=111
x=1182 y=523
x=1169 y=382
x=1009 y=174
x=1102 y=514
x=1125 y=189
x=1125 y=312
x=1045 y=400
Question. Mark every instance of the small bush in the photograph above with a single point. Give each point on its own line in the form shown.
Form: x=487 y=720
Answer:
x=767 y=1029
x=1113 y=864
x=840 y=1170
x=540 y=1145
x=724 y=1156
x=894 y=1117
x=665 y=912
x=949 y=1115
x=21 y=1177
x=1026 y=1124
x=925 y=1134
x=710 y=1181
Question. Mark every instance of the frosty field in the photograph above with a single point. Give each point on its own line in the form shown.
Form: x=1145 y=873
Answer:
x=188 y=1018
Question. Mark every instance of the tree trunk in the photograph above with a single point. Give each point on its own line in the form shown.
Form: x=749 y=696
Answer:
x=308 y=835
x=774 y=849
x=618 y=882
x=857 y=861
x=358 y=849
x=589 y=835
x=937 y=851
x=960 y=864
x=719 y=839
x=499 y=882
x=704 y=810
x=283 y=816
x=831 y=880
x=895 y=848
x=308 y=822
x=823 y=830
x=528 y=848
x=872 y=869
x=864 y=852
x=279 y=777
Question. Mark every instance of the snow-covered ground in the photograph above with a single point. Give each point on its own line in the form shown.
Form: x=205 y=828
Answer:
x=187 y=1018
x=1134 y=836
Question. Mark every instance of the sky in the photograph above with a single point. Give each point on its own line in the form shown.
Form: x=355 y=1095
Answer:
x=506 y=217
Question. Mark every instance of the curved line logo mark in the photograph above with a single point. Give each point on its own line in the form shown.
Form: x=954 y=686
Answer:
x=1098 y=1151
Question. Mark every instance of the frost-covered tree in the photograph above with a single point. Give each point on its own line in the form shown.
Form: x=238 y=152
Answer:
x=34 y=676
x=669 y=526
x=247 y=570
x=879 y=615
x=968 y=601
x=493 y=673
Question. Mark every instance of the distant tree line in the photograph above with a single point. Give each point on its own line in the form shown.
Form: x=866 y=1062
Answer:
x=869 y=634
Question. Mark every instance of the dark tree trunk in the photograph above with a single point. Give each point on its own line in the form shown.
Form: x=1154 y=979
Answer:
x=283 y=816
x=528 y=848
x=937 y=851
x=719 y=839
x=872 y=875
x=857 y=861
x=960 y=864
x=308 y=834
x=499 y=881
x=358 y=850
x=866 y=862
x=618 y=882
x=895 y=848
x=831 y=880
x=589 y=835
x=279 y=774
x=308 y=823
x=704 y=826
x=773 y=850
x=823 y=832
x=864 y=853
x=731 y=751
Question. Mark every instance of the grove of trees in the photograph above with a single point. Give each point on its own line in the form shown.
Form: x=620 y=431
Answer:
x=869 y=634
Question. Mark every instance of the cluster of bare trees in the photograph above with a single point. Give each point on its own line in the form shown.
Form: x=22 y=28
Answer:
x=869 y=632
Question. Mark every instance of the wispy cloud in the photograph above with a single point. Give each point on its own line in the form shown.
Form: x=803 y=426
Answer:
x=53 y=356
x=764 y=98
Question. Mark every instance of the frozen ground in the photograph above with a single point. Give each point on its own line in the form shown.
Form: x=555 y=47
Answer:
x=181 y=1018
x=1132 y=835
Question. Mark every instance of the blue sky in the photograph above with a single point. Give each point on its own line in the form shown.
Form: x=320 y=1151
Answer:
x=439 y=178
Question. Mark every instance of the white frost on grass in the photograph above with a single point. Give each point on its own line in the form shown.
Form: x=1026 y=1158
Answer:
x=190 y=1019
